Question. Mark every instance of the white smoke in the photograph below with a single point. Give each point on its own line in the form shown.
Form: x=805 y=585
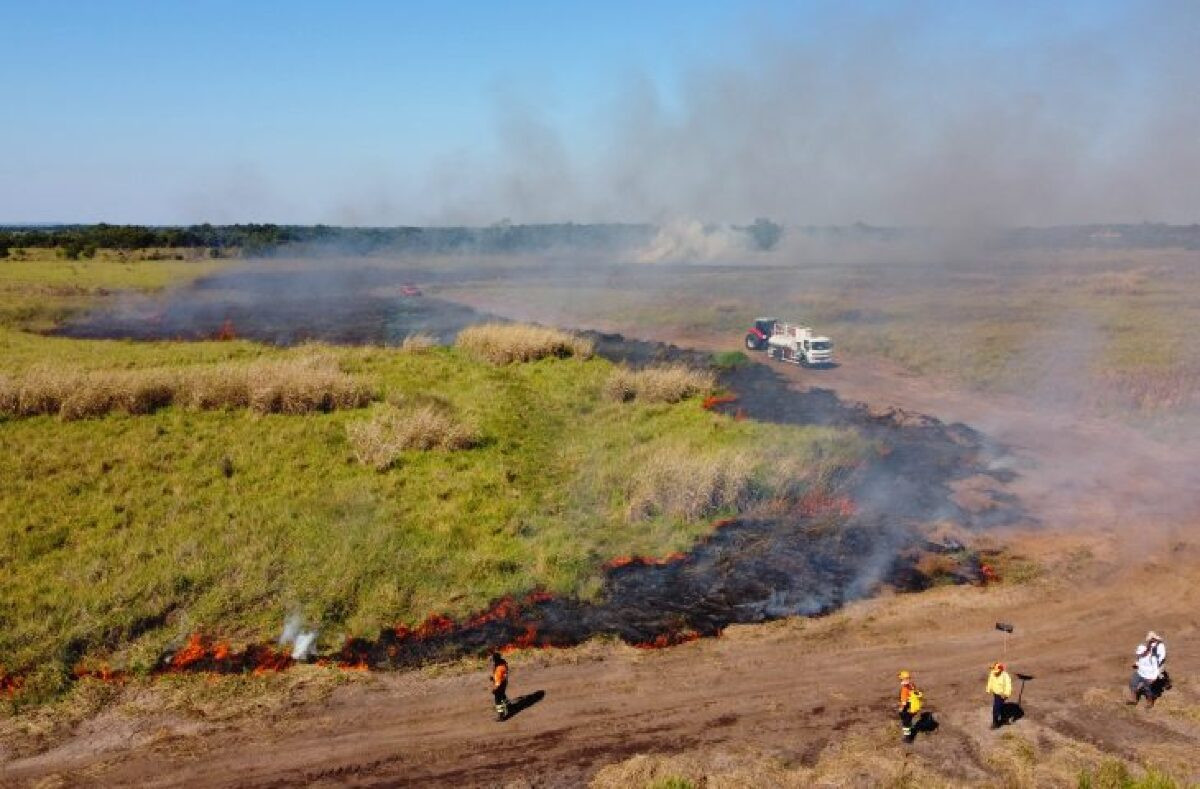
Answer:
x=692 y=241
x=304 y=642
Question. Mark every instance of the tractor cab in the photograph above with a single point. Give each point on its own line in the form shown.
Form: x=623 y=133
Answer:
x=766 y=325
x=756 y=338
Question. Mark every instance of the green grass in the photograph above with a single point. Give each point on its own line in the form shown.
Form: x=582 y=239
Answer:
x=39 y=289
x=1113 y=774
x=120 y=535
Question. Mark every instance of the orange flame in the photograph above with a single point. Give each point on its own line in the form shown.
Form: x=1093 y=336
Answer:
x=226 y=332
x=103 y=673
x=670 y=639
x=816 y=503
x=645 y=561
x=9 y=683
x=192 y=653
x=712 y=401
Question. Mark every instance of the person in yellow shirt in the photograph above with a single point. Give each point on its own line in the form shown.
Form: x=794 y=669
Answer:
x=910 y=705
x=999 y=685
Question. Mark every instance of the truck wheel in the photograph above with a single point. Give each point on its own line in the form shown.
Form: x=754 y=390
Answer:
x=753 y=343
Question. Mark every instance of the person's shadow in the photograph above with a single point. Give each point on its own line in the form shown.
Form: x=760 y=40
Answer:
x=1011 y=712
x=925 y=723
x=522 y=703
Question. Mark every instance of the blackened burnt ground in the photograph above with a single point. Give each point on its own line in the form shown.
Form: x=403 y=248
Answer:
x=764 y=565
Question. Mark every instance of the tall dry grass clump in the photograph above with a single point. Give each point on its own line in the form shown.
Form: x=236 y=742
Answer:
x=675 y=482
x=379 y=442
x=297 y=385
x=8 y=395
x=288 y=386
x=501 y=343
x=658 y=384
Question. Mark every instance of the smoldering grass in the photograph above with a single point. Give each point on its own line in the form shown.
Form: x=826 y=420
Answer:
x=381 y=441
x=418 y=342
x=501 y=343
x=668 y=384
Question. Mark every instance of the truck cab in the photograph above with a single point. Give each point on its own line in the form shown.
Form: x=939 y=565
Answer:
x=817 y=350
x=798 y=344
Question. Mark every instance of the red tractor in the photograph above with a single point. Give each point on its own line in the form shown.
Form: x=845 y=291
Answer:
x=756 y=338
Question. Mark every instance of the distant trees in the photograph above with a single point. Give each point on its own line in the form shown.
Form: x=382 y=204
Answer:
x=764 y=233
x=266 y=239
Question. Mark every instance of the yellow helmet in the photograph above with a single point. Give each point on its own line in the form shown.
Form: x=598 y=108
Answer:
x=904 y=675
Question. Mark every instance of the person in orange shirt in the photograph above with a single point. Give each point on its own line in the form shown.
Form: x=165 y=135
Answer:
x=500 y=685
x=910 y=704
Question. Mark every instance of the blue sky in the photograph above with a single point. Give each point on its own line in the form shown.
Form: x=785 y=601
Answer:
x=392 y=113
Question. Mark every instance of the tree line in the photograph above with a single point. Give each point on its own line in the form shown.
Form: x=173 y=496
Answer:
x=265 y=239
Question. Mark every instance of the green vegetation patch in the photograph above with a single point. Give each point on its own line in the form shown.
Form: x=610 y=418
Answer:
x=121 y=534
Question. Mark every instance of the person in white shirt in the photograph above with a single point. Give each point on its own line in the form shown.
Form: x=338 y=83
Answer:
x=1145 y=674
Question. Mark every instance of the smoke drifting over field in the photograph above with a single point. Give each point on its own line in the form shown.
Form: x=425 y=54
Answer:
x=838 y=116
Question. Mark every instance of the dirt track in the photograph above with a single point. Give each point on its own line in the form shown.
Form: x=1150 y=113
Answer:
x=795 y=689
x=790 y=688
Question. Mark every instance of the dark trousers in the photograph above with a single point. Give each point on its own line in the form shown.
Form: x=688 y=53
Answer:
x=500 y=694
x=997 y=710
x=906 y=720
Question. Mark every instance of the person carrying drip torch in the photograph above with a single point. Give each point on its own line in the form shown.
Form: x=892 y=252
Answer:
x=910 y=705
x=500 y=685
x=999 y=685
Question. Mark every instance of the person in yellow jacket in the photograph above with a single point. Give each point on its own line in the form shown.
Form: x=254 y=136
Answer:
x=999 y=685
x=910 y=705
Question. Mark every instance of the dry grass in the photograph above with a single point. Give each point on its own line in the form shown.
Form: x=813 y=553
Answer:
x=380 y=442
x=678 y=483
x=506 y=343
x=290 y=386
x=418 y=343
x=658 y=384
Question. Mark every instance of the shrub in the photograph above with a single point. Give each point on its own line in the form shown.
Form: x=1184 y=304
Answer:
x=730 y=360
x=658 y=384
x=500 y=343
x=379 y=442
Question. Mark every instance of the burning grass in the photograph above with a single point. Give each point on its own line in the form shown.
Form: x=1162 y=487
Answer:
x=658 y=384
x=298 y=385
x=381 y=441
x=501 y=343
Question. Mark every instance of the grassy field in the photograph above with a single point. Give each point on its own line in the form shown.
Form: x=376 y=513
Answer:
x=1111 y=331
x=121 y=534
